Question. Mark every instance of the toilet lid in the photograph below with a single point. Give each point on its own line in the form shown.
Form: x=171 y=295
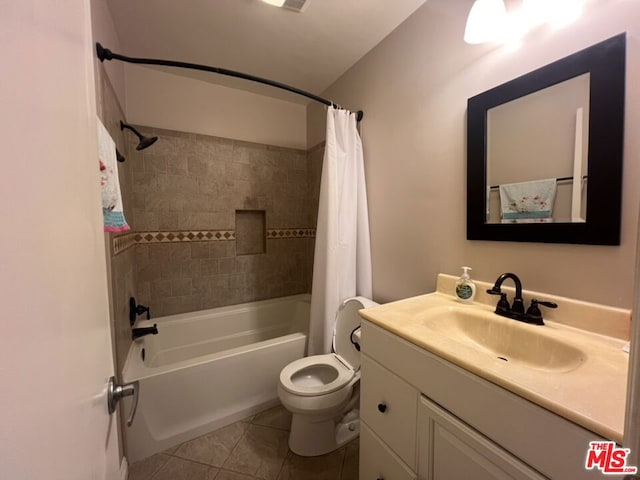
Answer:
x=347 y=320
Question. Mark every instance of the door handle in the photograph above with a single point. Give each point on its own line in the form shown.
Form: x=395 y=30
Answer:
x=115 y=392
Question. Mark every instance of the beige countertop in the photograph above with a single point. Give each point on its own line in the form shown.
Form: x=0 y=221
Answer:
x=590 y=391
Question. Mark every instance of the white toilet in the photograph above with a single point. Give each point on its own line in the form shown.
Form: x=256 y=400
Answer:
x=323 y=391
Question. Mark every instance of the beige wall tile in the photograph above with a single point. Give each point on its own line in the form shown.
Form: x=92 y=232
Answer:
x=210 y=267
x=180 y=287
x=155 y=163
x=176 y=183
x=160 y=289
x=200 y=250
x=195 y=182
x=227 y=265
x=176 y=164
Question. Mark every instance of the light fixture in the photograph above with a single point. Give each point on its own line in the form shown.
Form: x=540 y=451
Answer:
x=489 y=21
x=276 y=3
x=557 y=13
x=486 y=21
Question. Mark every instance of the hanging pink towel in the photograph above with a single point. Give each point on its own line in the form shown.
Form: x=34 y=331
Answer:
x=112 y=210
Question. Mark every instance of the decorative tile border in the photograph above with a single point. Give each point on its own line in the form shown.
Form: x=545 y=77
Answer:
x=185 y=236
x=277 y=233
x=126 y=241
x=123 y=242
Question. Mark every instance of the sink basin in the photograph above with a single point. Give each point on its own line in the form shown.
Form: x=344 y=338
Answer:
x=505 y=339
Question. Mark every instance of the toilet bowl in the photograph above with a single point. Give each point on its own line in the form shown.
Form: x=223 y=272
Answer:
x=323 y=391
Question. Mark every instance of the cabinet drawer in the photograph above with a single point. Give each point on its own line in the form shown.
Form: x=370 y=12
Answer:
x=389 y=406
x=377 y=461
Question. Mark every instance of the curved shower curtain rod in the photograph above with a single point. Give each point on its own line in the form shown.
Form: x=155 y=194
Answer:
x=106 y=54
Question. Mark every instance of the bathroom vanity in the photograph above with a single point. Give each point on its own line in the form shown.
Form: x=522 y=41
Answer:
x=452 y=391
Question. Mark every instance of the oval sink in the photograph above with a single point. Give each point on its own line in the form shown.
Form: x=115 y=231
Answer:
x=506 y=339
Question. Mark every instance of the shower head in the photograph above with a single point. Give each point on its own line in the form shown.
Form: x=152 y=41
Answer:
x=143 y=142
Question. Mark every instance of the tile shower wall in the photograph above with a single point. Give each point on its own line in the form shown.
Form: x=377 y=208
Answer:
x=185 y=192
x=121 y=267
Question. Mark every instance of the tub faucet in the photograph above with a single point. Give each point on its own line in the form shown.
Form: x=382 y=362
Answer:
x=135 y=310
x=141 y=332
x=516 y=310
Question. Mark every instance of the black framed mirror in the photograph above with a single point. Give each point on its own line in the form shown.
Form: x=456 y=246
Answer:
x=521 y=135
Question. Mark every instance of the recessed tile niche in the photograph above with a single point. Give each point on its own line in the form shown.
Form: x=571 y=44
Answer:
x=251 y=232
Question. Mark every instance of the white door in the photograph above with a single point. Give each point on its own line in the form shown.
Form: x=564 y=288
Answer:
x=55 y=345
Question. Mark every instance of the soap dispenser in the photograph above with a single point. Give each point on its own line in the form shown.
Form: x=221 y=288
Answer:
x=465 y=288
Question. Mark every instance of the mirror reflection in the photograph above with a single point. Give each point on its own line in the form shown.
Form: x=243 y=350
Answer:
x=544 y=152
x=537 y=155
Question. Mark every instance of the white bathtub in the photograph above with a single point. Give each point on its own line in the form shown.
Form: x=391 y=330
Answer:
x=207 y=369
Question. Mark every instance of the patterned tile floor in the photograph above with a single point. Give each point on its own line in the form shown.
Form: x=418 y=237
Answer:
x=251 y=449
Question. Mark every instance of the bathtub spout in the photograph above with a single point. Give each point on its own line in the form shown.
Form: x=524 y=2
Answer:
x=141 y=332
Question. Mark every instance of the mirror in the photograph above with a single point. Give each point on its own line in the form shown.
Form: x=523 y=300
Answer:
x=544 y=152
x=514 y=131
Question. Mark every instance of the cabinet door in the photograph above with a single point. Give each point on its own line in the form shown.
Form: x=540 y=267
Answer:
x=448 y=449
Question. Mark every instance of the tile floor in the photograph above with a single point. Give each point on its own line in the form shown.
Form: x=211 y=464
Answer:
x=251 y=449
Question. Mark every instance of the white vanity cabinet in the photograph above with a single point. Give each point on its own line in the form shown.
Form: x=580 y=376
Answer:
x=425 y=418
x=451 y=450
x=389 y=406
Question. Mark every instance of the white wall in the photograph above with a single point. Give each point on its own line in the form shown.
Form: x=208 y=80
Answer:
x=55 y=353
x=413 y=88
x=104 y=32
x=162 y=99
x=166 y=100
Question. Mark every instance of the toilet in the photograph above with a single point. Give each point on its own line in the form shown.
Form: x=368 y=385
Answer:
x=323 y=391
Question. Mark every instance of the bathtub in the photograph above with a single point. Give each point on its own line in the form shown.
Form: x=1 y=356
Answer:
x=207 y=369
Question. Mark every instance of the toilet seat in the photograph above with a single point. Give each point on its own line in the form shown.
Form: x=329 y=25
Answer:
x=325 y=374
x=317 y=365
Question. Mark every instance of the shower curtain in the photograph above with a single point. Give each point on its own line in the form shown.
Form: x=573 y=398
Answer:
x=342 y=261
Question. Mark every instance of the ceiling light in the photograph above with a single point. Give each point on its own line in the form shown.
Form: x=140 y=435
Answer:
x=555 y=12
x=486 y=21
x=277 y=3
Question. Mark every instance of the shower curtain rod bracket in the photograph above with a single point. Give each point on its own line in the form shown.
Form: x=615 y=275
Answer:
x=106 y=54
x=103 y=53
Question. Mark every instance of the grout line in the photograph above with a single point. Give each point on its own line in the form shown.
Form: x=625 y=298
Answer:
x=153 y=474
x=193 y=461
x=344 y=460
x=251 y=477
x=234 y=448
x=284 y=461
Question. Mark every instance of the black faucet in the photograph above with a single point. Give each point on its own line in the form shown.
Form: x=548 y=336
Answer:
x=141 y=332
x=516 y=311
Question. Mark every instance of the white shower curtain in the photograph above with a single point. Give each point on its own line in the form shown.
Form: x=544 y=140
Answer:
x=342 y=262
